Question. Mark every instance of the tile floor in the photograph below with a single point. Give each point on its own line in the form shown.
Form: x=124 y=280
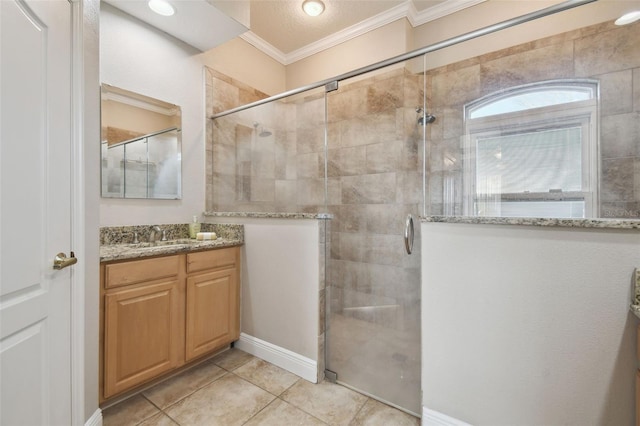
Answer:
x=235 y=388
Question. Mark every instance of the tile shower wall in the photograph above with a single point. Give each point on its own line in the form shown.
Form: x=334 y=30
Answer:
x=375 y=180
x=374 y=177
x=604 y=52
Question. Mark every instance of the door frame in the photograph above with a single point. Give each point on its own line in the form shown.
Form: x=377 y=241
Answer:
x=84 y=124
x=77 y=215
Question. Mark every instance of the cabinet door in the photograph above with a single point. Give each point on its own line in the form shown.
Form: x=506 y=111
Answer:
x=142 y=334
x=212 y=311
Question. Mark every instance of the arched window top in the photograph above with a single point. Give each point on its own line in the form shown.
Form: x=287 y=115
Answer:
x=530 y=96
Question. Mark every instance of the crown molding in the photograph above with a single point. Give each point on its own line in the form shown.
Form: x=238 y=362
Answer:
x=264 y=46
x=405 y=10
x=440 y=10
x=350 y=33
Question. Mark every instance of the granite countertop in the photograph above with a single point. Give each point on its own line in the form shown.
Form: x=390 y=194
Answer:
x=269 y=215
x=532 y=221
x=135 y=251
x=116 y=242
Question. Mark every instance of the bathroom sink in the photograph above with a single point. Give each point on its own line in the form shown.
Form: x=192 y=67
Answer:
x=180 y=241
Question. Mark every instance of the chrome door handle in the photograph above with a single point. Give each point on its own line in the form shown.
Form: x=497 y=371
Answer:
x=408 y=234
x=61 y=260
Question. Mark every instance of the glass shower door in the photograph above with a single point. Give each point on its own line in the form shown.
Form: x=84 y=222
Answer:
x=374 y=174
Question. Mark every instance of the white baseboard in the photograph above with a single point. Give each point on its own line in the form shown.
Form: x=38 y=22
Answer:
x=95 y=419
x=434 y=418
x=283 y=358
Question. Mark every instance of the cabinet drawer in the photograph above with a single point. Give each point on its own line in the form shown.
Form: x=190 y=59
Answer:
x=211 y=259
x=136 y=271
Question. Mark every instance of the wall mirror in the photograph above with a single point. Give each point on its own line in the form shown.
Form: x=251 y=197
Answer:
x=141 y=146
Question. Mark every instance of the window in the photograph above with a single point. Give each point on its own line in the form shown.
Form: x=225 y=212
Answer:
x=531 y=151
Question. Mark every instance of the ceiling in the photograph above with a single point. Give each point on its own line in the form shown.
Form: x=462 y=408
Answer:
x=281 y=29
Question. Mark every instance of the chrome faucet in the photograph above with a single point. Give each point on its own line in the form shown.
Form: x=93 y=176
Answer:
x=153 y=236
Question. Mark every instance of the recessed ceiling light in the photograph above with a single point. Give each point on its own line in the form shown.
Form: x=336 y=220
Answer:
x=313 y=7
x=628 y=18
x=162 y=7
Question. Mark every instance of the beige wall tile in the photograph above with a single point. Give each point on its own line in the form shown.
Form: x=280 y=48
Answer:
x=619 y=135
x=309 y=165
x=607 y=51
x=384 y=157
x=310 y=192
x=545 y=63
x=457 y=87
x=616 y=98
x=636 y=89
x=286 y=194
x=385 y=94
x=369 y=189
x=347 y=161
x=617 y=179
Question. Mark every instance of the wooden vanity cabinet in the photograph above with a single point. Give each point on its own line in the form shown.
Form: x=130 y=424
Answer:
x=212 y=301
x=160 y=313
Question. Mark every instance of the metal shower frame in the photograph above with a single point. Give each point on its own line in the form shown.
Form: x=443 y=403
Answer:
x=570 y=4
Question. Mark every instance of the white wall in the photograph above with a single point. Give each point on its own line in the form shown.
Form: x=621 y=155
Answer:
x=139 y=58
x=528 y=326
x=280 y=283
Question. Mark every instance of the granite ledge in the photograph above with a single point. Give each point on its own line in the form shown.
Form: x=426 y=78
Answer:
x=270 y=215
x=544 y=222
x=109 y=253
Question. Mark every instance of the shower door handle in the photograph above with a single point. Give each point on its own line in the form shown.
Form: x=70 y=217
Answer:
x=408 y=234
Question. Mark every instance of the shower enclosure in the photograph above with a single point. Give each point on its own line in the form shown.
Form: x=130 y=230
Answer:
x=541 y=129
x=352 y=150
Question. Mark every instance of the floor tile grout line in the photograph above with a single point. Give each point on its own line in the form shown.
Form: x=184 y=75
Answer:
x=154 y=405
x=260 y=411
x=159 y=412
x=301 y=409
x=355 y=416
x=190 y=393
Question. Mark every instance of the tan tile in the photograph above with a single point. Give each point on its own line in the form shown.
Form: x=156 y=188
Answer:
x=232 y=359
x=178 y=387
x=636 y=89
x=129 y=412
x=329 y=402
x=456 y=87
x=280 y=413
x=617 y=179
x=369 y=189
x=159 y=419
x=228 y=401
x=384 y=157
x=375 y=413
x=546 y=63
x=607 y=51
x=616 y=92
x=347 y=161
x=266 y=375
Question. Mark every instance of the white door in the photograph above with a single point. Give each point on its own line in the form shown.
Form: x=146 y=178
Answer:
x=35 y=212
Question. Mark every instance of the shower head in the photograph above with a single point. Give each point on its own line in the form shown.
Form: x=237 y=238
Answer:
x=426 y=119
x=262 y=132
